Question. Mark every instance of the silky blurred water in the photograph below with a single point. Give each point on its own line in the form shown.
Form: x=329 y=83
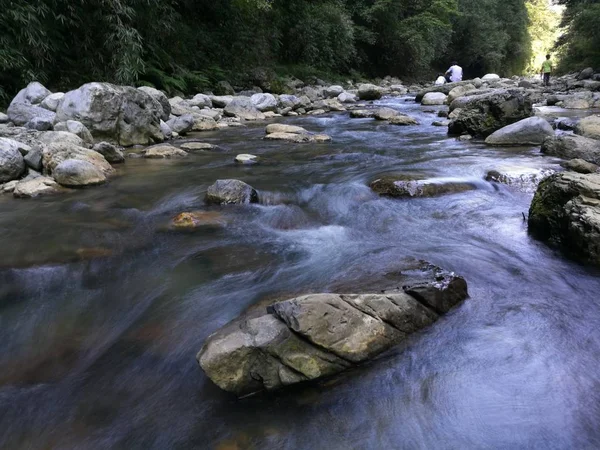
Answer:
x=102 y=308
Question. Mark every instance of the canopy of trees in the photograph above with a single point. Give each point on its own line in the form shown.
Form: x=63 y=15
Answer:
x=188 y=45
x=579 y=46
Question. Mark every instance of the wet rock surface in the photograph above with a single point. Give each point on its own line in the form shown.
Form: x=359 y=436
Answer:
x=318 y=335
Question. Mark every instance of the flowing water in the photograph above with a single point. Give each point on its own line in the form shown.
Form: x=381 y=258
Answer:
x=103 y=309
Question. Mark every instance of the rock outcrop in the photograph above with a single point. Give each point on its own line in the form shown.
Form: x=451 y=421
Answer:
x=318 y=335
x=530 y=131
x=485 y=113
x=225 y=192
x=565 y=211
x=571 y=146
x=122 y=115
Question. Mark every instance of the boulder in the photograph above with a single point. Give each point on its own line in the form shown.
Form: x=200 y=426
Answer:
x=204 y=123
x=589 y=127
x=78 y=173
x=122 y=115
x=243 y=108
x=586 y=74
x=246 y=159
x=460 y=91
x=283 y=128
x=402 y=119
x=299 y=138
x=162 y=151
x=347 y=97
x=362 y=113
x=433 y=98
x=530 y=131
x=4 y=118
x=40 y=123
x=12 y=164
x=446 y=88
x=524 y=180
x=490 y=77
x=580 y=166
x=111 y=153
x=264 y=102
x=59 y=146
x=24 y=113
x=289 y=101
x=485 y=113
x=565 y=212
x=221 y=101
x=570 y=146
x=36 y=187
x=318 y=335
x=369 y=92
x=333 y=91
x=390 y=186
x=52 y=101
x=33 y=94
x=385 y=113
x=224 y=88
x=161 y=98
x=576 y=102
x=196 y=219
x=166 y=130
x=77 y=128
x=182 y=124
x=197 y=146
x=225 y=192
x=201 y=101
x=33 y=159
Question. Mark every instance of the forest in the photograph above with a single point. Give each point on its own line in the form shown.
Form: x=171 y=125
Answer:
x=184 y=46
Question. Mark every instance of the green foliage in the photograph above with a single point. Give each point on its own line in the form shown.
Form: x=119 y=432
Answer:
x=544 y=21
x=579 y=46
x=186 y=46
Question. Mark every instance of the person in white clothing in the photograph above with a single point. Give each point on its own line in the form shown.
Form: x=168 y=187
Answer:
x=454 y=73
x=440 y=80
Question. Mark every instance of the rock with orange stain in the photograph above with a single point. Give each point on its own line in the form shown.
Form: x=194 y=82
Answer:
x=195 y=219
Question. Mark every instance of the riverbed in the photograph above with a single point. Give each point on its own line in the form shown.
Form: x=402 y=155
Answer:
x=103 y=307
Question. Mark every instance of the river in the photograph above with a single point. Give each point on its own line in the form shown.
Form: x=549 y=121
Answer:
x=103 y=309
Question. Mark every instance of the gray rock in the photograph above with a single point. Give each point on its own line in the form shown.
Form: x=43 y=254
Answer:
x=224 y=88
x=12 y=164
x=485 y=113
x=460 y=91
x=347 y=97
x=570 y=146
x=24 y=113
x=36 y=187
x=246 y=159
x=121 y=115
x=221 y=101
x=33 y=94
x=40 y=123
x=399 y=187
x=111 y=153
x=490 y=77
x=161 y=98
x=586 y=74
x=283 y=128
x=589 y=127
x=446 y=88
x=52 y=101
x=243 y=108
x=224 y=192
x=166 y=130
x=59 y=146
x=565 y=212
x=385 y=113
x=434 y=98
x=264 y=102
x=162 y=151
x=78 y=173
x=333 y=91
x=201 y=101
x=526 y=181
x=4 y=118
x=318 y=335
x=369 y=92
x=362 y=113
x=289 y=101
x=402 y=119
x=77 y=128
x=33 y=159
x=182 y=124
x=580 y=166
x=204 y=123
x=530 y=131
